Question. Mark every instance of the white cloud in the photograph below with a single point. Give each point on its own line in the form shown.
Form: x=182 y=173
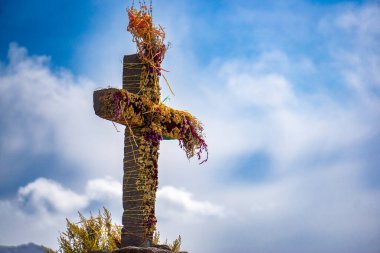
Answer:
x=266 y=90
x=186 y=202
x=39 y=211
x=264 y=112
x=363 y=21
x=317 y=198
x=355 y=52
x=104 y=188
x=322 y=206
x=44 y=204
x=20 y=227
x=43 y=193
x=52 y=112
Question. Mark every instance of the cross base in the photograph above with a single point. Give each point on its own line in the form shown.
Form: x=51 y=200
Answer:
x=132 y=249
x=134 y=240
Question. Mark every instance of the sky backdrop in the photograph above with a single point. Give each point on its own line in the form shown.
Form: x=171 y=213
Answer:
x=288 y=92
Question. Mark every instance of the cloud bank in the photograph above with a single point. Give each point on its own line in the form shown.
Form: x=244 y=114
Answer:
x=315 y=122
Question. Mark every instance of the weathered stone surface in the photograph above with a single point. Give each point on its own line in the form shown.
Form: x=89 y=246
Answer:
x=161 y=246
x=141 y=250
x=132 y=68
x=132 y=249
x=134 y=225
x=104 y=106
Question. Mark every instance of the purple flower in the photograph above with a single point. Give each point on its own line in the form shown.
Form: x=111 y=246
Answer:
x=117 y=99
x=153 y=136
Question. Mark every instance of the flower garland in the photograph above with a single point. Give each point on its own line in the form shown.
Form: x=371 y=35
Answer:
x=163 y=121
x=151 y=50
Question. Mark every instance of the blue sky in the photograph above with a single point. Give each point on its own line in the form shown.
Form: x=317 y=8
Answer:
x=288 y=91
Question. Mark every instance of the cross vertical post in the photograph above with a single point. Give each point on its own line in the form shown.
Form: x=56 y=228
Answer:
x=138 y=106
x=134 y=219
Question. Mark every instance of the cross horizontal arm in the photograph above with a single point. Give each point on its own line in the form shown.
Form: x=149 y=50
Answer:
x=108 y=103
x=134 y=110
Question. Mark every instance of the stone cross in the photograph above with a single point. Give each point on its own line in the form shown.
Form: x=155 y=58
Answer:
x=135 y=222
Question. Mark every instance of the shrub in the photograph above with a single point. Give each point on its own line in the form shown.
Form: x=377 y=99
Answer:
x=94 y=233
x=98 y=233
x=175 y=246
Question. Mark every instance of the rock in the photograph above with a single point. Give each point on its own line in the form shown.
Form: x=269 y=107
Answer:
x=161 y=246
x=131 y=249
x=141 y=250
x=25 y=248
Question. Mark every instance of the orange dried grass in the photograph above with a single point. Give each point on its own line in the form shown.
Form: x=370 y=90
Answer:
x=149 y=39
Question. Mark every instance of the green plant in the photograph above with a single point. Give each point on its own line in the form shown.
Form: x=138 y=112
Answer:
x=176 y=245
x=98 y=233
x=156 y=238
x=94 y=233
